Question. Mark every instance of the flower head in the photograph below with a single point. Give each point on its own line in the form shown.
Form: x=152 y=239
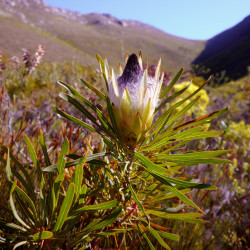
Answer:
x=134 y=96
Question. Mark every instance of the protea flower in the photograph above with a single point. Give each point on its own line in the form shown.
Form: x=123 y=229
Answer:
x=134 y=96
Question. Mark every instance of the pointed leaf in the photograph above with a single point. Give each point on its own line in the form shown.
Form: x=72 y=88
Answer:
x=170 y=236
x=42 y=235
x=158 y=237
x=61 y=160
x=65 y=207
x=146 y=238
x=100 y=206
x=78 y=176
x=150 y=165
x=169 y=87
x=94 y=89
x=137 y=201
x=75 y=120
x=12 y=204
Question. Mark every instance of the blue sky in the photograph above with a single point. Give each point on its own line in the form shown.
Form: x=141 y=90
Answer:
x=194 y=19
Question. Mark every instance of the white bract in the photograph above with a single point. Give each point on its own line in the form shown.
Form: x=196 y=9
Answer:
x=134 y=97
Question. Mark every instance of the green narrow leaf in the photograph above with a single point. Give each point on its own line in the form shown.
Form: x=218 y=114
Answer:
x=13 y=208
x=61 y=175
x=82 y=194
x=56 y=188
x=81 y=235
x=184 y=184
x=89 y=159
x=42 y=235
x=26 y=212
x=65 y=207
x=206 y=154
x=38 y=169
x=173 y=135
x=26 y=198
x=181 y=196
x=158 y=237
x=112 y=117
x=150 y=165
x=170 y=195
x=44 y=148
x=202 y=119
x=187 y=161
x=137 y=201
x=30 y=187
x=170 y=236
x=34 y=157
x=113 y=232
x=61 y=160
x=161 y=127
x=78 y=176
x=100 y=116
x=94 y=89
x=172 y=97
x=97 y=225
x=165 y=138
x=103 y=66
x=83 y=110
x=195 y=221
x=22 y=181
x=109 y=219
x=183 y=111
x=192 y=156
x=169 y=87
x=157 y=172
x=174 y=216
x=49 y=202
x=8 y=168
x=100 y=206
x=75 y=120
x=146 y=238
x=175 y=106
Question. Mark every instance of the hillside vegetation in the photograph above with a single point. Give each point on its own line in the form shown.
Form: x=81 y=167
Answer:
x=227 y=52
x=69 y=35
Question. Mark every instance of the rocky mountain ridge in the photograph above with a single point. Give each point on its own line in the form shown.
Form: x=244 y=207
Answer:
x=227 y=52
x=70 y=35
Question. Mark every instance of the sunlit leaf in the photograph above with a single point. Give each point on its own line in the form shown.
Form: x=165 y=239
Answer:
x=150 y=165
x=146 y=238
x=42 y=235
x=170 y=236
x=65 y=207
x=169 y=87
x=137 y=201
x=174 y=216
x=12 y=205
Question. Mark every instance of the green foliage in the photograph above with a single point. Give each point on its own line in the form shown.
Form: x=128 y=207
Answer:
x=48 y=214
x=102 y=194
x=152 y=168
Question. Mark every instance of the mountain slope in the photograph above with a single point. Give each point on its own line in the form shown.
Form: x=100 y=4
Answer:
x=71 y=35
x=228 y=51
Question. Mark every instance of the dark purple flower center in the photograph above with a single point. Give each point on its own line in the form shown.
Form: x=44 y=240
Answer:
x=131 y=72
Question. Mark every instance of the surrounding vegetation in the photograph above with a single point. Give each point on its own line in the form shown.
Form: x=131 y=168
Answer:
x=64 y=183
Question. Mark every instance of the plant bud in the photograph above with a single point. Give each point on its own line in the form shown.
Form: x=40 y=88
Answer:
x=134 y=96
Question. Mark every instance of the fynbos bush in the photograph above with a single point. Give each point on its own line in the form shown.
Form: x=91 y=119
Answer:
x=116 y=194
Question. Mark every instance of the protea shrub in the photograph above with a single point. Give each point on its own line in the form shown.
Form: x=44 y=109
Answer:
x=134 y=96
x=121 y=194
